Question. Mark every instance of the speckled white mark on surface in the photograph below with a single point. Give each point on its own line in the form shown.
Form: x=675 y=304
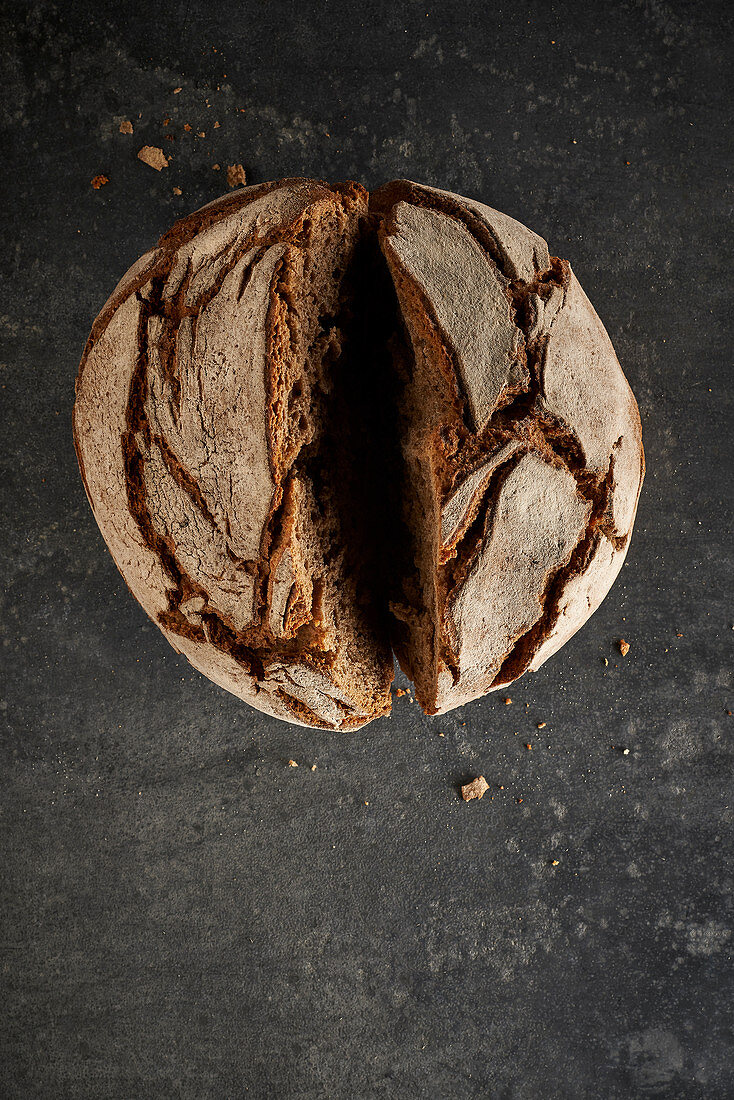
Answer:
x=707 y=938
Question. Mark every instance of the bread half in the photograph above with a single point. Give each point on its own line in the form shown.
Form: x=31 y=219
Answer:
x=521 y=445
x=211 y=412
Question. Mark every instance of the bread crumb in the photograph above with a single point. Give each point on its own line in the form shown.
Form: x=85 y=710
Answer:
x=187 y=127
x=153 y=156
x=507 y=701
x=216 y=167
x=555 y=862
x=542 y=725
x=443 y=734
x=399 y=692
x=236 y=176
x=518 y=800
x=126 y=126
x=216 y=125
x=476 y=789
x=313 y=767
x=292 y=763
x=529 y=747
x=166 y=121
x=606 y=662
x=99 y=181
x=177 y=191
x=625 y=752
x=624 y=647
x=201 y=133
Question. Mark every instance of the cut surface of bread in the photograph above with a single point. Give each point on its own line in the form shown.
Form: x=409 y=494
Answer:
x=316 y=426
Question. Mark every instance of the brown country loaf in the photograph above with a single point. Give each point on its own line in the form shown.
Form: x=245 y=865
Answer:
x=315 y=426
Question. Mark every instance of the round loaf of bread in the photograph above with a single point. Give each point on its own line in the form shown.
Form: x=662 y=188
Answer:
x=316 y=426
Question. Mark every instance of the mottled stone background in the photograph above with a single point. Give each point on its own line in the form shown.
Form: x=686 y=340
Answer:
x=183 y=914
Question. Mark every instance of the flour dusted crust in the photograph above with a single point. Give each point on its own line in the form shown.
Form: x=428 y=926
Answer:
x=205 y=426
x=534 y=525
x=528 y=437
x=473 y=312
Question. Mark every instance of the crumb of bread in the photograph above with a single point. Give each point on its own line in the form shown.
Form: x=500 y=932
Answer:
x=177 y=191
x=153 y=156
x=99 y=181
x=126 y=126
x=236 y=176
x=624 y=647
x=292 y=763
x=476 y=789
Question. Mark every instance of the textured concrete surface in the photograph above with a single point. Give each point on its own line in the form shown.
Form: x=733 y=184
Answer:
x=184 y=915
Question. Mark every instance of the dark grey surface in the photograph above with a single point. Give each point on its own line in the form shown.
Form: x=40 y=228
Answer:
x=183 y=914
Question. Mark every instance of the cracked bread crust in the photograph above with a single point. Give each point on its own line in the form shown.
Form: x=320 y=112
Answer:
x=197 y=428
x=226 y=458
x=522 y=448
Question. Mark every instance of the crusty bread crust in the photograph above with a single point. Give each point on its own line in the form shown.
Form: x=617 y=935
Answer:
x=206 y=431
x=521 y=433
x=188 y=423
